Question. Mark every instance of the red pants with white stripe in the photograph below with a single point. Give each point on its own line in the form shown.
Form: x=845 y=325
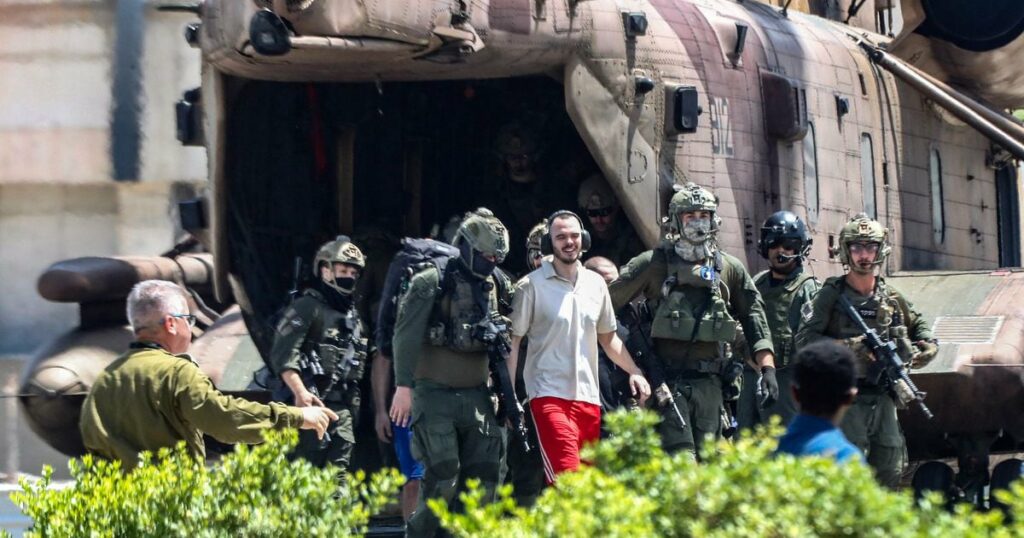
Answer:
x=563 y=427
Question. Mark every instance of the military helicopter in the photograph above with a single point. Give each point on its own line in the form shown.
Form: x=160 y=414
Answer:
x=324 y=117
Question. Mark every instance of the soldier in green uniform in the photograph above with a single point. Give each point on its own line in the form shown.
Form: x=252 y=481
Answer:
x=524 y=190
x=320 y=350
x=871 y=423
x=785 y=288
x=611 y=235
x=441 y=367
x=155 y=395
x=698 y=295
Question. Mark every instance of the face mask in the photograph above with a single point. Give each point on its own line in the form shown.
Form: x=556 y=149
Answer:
x=693 y=252
x=477 y=265
x=346 y=284
x=697 y=230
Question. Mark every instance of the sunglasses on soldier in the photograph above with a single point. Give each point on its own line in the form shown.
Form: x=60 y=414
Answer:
x=600 y=212
x=786 y=243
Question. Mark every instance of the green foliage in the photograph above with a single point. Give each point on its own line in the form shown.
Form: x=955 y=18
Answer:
x=739 y=490
x=254 y=491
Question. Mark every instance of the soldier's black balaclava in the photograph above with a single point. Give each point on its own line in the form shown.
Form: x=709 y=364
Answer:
x=474 y=262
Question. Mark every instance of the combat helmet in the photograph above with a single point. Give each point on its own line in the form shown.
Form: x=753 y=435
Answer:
x=533 y=241
x=692 y=197
x=784 y=227
x=595 y=193
x=340 y=250
x=480 y=234
x=862 y=229
x=515 y=139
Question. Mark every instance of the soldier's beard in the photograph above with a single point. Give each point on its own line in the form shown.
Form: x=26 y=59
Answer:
x=783 y=267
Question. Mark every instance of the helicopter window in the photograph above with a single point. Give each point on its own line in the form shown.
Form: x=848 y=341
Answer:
x=867 y=175
x=938 y=211
x=811 y=175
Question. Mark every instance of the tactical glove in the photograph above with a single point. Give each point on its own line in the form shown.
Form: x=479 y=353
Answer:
x=767 y=387
x=926 y=351
x=859 y=348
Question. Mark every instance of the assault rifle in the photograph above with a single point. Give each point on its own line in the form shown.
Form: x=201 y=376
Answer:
x=493 y=331
x=637 y=318
x=892 y=373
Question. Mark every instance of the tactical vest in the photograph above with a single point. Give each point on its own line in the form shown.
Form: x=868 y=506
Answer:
x=339 y=342
x=882 y=312
x=457 y=311
x=689 y=317
x=779 y=310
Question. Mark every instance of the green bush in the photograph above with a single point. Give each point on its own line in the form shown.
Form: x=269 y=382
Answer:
x=635 y=489
x=254 y=491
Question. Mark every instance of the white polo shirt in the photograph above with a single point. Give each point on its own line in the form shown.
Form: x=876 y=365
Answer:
x=562 y=322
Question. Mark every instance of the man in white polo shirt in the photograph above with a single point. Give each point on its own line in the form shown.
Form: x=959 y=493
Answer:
x=565 y=311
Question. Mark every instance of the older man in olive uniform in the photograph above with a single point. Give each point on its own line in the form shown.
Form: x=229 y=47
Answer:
x=698 y=295
x=611 y=235
x=785 y=288
x=871 y=423
x=441 y=367
x=154 y=395
x=320 y=350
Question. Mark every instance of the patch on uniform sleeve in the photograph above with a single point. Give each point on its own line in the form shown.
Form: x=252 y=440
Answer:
x=807 y=311
x=290 y=321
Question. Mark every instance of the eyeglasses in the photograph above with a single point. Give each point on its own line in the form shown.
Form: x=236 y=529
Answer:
x=601 y=212
x=865 y=248
x=187 y=317
x=534 y=254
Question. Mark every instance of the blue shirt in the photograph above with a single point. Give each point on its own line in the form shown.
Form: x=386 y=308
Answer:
x=813 y=436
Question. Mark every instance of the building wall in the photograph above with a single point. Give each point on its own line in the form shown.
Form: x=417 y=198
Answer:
x=57 y=196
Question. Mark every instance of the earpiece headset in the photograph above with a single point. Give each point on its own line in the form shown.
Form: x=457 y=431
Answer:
x=545 y=240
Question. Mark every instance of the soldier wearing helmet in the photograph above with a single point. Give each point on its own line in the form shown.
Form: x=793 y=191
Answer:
x=698 y=296
x=612 y=237
x=524 y=190
x=871 y=423
x=785 y=288
x=534 y=255
x=441 y=366
x=320 y=350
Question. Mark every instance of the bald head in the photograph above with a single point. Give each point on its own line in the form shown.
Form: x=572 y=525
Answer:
x=604 y=267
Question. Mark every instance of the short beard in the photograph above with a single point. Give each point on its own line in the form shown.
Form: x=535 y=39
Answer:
x=784 y=268
x=570 y=261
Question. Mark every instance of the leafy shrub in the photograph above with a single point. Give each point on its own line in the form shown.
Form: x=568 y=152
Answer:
x=254 y=491
x=740 y=490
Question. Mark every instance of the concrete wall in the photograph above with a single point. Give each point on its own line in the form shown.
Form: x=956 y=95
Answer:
x=57 y=196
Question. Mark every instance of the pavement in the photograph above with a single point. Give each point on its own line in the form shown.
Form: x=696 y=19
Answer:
x=11 y=518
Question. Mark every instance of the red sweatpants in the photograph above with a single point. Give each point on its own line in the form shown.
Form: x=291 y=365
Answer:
x=563 y=427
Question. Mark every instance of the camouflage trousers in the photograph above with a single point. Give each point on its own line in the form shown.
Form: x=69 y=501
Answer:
x=700 y=402
x=872 y=426
x=749 y=412
x=456 y=436
x=338 y=450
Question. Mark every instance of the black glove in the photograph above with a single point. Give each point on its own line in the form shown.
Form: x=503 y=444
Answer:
x=767 y=387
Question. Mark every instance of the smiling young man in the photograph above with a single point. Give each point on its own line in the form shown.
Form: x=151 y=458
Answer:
x=566 y=311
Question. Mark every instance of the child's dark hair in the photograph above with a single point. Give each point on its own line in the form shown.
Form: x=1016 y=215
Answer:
x=824 y=373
